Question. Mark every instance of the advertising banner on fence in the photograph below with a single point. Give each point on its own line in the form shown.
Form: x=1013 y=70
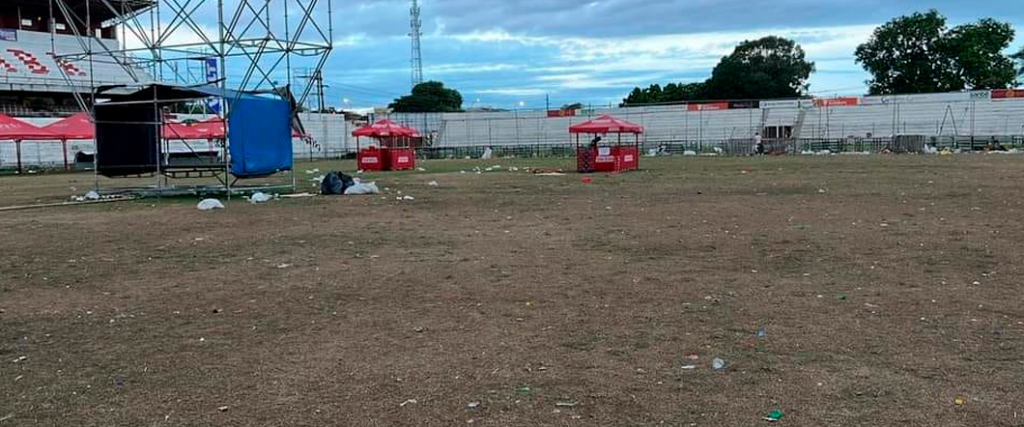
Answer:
x=8 y=35
x=1008 y=94
x=561 y=113
x=713 y=106
x=743 y=105
x=981 y=95
x=836 y=102
x=789 y=103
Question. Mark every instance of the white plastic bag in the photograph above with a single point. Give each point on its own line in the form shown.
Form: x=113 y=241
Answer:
x=209 y=205
x=92 y=195
x=488 y=153
x=259 y=197
x=360 y=189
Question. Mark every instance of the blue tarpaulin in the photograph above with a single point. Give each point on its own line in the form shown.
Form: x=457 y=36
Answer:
x=260 y=133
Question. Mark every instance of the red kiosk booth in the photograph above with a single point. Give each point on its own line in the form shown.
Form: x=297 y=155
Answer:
x=395 y=152
x=600 y=156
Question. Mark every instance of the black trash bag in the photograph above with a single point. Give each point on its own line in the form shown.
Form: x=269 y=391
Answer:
x=332 y=185
x=335 y=184
x=346 y=181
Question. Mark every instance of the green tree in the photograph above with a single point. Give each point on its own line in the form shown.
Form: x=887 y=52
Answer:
x=575 y=106
x=918 y=54
x=673 y=92
x=1019 y=57
x=429 y=97
x=770 y=67
x=974 y=52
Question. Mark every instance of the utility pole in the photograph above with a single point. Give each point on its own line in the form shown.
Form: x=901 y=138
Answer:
x=547 y=101
x=415 y=31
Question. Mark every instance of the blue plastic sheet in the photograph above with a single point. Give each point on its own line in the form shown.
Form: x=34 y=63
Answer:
x=259 y=130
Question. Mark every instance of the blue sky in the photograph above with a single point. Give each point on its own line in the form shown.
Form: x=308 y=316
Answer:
x=504 y=53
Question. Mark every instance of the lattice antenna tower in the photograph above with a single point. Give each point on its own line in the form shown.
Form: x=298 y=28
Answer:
x=415 y=31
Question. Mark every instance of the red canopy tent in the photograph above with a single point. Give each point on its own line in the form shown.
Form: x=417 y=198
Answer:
x=211 y=128
x=385 y=128
x=605 y=124
x=76 y=127
x=607 y=158
x=396 y=151
x=12 y=129
x=207 y=129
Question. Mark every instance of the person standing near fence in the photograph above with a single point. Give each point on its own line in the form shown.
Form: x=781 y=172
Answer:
x=758 y=144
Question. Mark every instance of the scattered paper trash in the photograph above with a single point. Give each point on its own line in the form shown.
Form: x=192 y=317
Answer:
x=259 y=197
x=689 y=153
x=209 y=205
x=21 y=359
x=407 y=402
x=472 y=405
x=420 y=170
x=223 y=409
x=433 y=184
x=566 y=404
x=718 y=364
x=689 y=367
x=408 y=198
x=959 y=401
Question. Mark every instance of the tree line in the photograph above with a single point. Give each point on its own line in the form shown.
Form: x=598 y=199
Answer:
x=910 y=54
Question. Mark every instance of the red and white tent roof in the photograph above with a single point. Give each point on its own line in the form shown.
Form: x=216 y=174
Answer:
x=12 y=129
x=606 y=123
x=76 y=127
x=385 y=128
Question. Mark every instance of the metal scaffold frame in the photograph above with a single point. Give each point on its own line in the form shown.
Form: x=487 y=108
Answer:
x=259 y=38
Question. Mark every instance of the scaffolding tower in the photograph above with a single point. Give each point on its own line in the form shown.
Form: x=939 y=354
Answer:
x=255 y=43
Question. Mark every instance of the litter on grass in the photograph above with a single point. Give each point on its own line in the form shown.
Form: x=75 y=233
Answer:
x=259 y=197
x=209 y=205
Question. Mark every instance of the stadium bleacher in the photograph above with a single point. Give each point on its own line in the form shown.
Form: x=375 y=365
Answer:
x=960 y=114
x=31 y=64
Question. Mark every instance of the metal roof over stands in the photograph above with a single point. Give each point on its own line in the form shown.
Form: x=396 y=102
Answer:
x=97 y=8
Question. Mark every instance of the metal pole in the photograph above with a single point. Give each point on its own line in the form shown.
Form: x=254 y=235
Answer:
x=157 y=121
x=224 y=107
x=17 y=148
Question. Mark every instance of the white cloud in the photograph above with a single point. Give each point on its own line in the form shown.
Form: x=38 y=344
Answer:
x=351 y=40
x=512 y=92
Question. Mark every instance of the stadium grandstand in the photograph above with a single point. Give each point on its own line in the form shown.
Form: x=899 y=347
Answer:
x=36 y=77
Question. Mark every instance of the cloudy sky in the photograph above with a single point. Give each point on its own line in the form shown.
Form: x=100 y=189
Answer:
x=502 y=53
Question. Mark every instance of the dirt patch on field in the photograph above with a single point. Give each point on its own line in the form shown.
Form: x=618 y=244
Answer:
x=887 y=288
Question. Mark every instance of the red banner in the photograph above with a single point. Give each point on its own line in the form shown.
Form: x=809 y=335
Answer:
x=1007 y=93
x=837 y=102
x=712 y=106
x=561 y=113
